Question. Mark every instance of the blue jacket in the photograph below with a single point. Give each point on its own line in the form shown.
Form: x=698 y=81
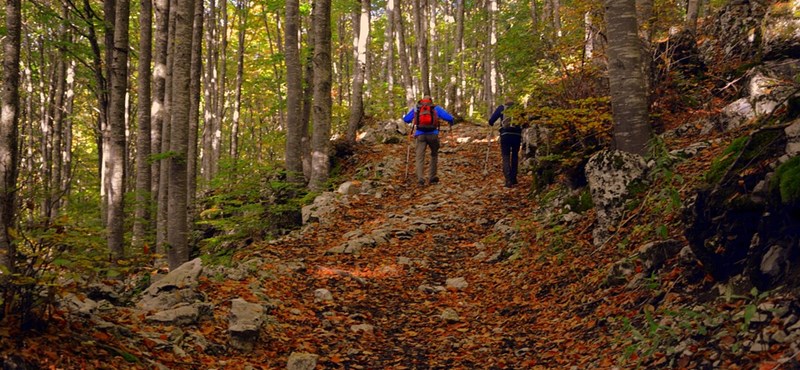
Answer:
x=440 y=112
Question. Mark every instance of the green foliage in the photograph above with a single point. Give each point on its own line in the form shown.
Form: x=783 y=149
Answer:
x=787 y=181
x=248 y=202
x=725 y=160
x=581 y=202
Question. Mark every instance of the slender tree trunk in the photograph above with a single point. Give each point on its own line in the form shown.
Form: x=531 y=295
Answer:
x=422 y=45
x=360 y=67
x=216 y=140
x=388 y=51
x=194 y=109
x=67 y=147
x=58 y=133
x=320 y=142
x=237 y=102
x=177 y=234
x=461 y=86
x=162 y=209
x=308 y=92
x=294 y=90
x=534 y=16
x=158 y=112
x=109 y=17
x=9 y=128
x=556 y=8
x=632 y=129
x=405 y=68
x=692 y=11
x=644 y=13
x=141 y=221
x=210 y=83
x=115 y=162
x=491 y=69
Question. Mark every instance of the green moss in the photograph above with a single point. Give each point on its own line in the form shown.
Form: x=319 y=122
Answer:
x=787 y=180
x=724 y=161
x=581 y=202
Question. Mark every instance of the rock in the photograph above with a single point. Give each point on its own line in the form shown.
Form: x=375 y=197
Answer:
x=450 y=315
x=458 y=283
x=84 y=306
x=654 y=254
x=620 y=272
x=736 y=114
x=793 y=139
x=178 y=286
x=781 y=32
x=323 y=295
x=431 y=289
x=364 y=328
x=183 y=315
x=323 y=205
x=245 y=323
x=691 y=150
x=302 y=361
x=350 y=188
x=609 y=173
x=775 y=262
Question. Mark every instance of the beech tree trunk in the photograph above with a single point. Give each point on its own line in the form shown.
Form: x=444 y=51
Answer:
x=177 y=234
x=388 y=52
x=294 y=91
x=158 y=112
x=360 y=70
x=422 y=45
x=141 y=221
x=9 y=128
x=115 y=162
x=320 y=141
x=405 y=68
x=237 y=102
x=632 y=129
x=210 y=83
x=692 y=12
x=194 y=109
x=491 y=68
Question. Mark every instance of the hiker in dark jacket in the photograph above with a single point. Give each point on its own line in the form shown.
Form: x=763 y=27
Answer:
x=510 y=142
x=427 y=136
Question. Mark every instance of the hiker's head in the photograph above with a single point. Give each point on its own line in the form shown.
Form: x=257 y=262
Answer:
x=428 y=97
x=509 y=100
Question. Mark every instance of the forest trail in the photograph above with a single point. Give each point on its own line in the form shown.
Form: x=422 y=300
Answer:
x=455 y=283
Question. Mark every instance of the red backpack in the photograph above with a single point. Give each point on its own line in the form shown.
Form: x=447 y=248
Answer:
x=426 y=118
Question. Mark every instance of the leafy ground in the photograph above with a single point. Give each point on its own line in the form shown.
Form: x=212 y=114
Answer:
x=541 y=302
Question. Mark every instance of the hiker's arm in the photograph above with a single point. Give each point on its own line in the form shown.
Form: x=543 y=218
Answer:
x=496 y=115
x=409 y=116
x=443 y=114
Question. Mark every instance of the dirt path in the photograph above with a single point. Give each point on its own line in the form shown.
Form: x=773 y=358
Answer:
x=391 y=304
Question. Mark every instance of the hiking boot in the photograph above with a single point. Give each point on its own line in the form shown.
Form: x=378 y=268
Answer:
x=421 y=183
x=509 y=183
x=434 y=180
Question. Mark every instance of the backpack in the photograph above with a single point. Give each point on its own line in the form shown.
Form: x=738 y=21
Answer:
x=508 y=117
x=426 y=117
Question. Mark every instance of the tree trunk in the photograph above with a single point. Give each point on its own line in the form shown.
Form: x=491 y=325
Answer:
x=216 y=139
x=194 y=108
x=556 y=8
x=158 y=112
x=692 y=11
x=308 y=92
x=534 y=16
x=177 y=235
x=644 y=14
x=141 y=216
x=422 y=45
x=237 y=103
x=388 y=52
x=360 y=66
x=405 y=68
x=294 y=91
x=210 y=83
x=162 y=208
x=9 y=128
x=320 y=142
x=491 y=68
x=115 y=162
x=632 y=129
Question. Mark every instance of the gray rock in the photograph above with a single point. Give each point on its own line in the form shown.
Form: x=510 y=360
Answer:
x=609 y=172
x=302 y=361
x=322 y=206
x=775 y=261
x=654 y=254
x=349 y=188
x=179 y=286
x=458 y=283
x=183 y=315
x=323 y=295
x=244 y=324
x=736 y=114
x=793 y=139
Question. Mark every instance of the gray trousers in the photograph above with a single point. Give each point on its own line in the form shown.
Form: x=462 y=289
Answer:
x=423 y=141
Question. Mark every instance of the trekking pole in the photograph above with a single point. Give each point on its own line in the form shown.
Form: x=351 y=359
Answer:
x=408 y=151
x=488 y=146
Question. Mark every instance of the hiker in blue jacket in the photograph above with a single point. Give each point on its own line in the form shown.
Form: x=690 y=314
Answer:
x=425 y=123
x=510 y=142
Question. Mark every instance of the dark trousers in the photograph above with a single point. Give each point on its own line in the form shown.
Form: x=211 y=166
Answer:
x=509 y=148
x=425 y=141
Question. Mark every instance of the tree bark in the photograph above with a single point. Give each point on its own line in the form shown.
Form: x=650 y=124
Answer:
x=177 y=235
x=320 y=142
x=491 y=68
x=360 y=67
x=116 y=160
x=556 y=8
x=294 y=91
x=210 y=83
x=692 y=12
x=237 y=102
x=405 y=68
x=632 y=129
x=141 y=216
x=158 y=111
x=194 y=109
x=388 y=52
x=422 y=46
x=9 y=129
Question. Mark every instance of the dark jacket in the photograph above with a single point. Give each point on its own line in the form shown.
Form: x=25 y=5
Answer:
x=498 y=115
